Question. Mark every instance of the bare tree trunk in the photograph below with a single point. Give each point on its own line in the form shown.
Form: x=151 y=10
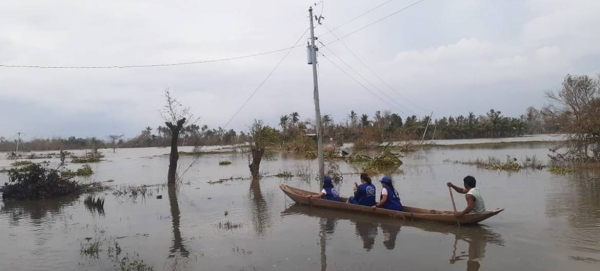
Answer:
x=257 y=154
x=174 y=157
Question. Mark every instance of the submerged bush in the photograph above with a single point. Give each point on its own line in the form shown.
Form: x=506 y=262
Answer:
x=84 y=160
x=21 y=163
x=224 y=163
x=37 y=182
x=86 y=170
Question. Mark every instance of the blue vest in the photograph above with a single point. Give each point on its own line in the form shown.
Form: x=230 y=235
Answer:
x=332 y=194
x=392 y=202
x=365 y=195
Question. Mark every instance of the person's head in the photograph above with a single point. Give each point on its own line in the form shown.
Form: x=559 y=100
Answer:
x=364 y=178
x=469 y=182
x=327 y=183
x=386 y=181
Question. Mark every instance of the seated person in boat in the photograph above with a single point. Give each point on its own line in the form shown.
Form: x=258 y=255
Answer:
x=475 y=203
x=364 y=194
x=389 y=196
x=329 y=192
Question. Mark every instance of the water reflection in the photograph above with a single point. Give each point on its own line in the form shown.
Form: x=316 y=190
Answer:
x=476 y=237
x=367 y=232
x=36 y=210
x=390 y=232
x=579 y=201
x=175 y=217
x=260 y=213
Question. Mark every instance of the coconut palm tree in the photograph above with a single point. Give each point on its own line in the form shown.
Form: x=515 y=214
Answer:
x=283 y=122
x=364 y=120
x=295 y=117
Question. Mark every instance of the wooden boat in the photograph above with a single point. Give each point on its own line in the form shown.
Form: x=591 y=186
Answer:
x=409 y=213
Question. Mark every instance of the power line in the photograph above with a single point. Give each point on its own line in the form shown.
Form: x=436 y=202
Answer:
x=396 y=12
x=253 y=93
x=148 y=65
x=353 y=19
x=358 y=82
x=369 y=82
x=371 y=70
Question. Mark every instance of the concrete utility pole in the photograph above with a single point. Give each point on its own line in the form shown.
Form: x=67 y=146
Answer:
x=313 y=57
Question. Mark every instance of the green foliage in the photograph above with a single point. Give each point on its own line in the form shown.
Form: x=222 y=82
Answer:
x=263 y=136
x=85 y=160
x=84 y=171
x=37 y=182
x=224 y=163
x=560 y=170
x=386 y=161
x=21 y=163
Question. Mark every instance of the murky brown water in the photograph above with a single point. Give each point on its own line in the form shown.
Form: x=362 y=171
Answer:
x=551 y=222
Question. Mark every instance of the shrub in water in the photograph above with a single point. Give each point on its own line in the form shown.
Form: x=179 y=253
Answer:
x=36 y=183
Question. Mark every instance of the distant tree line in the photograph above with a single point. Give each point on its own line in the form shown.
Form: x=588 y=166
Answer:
x=360 y=129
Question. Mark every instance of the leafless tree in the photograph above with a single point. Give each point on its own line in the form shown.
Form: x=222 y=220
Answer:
x=576 y=110
x=176 y=116
x=114 y=140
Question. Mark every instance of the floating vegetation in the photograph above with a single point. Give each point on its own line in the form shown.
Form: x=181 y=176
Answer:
x=358 y=157
x=133 y=191
x=386 y=161
x=21 y=163
x=560 y=170
x=91 y=249
x=229 y=225
x=510 y=164
x=85 y=160
x=226 y=213
x=224 y=163
x=136 y=265
x=284 y=174
x=86 y=170
x=228 y=179
x=493 y=163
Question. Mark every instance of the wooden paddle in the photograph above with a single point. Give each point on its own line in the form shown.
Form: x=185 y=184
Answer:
x=453 y=204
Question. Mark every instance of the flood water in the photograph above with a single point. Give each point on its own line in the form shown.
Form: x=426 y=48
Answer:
x=550 y=222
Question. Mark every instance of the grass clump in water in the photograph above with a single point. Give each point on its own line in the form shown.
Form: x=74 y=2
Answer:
x=85 y=160
x=94 y=204
x=386 y=161
x=229 y=225
x=91 y=249
x=224 y=163
x=84 y=171
x=21 y=163
x=284 y=174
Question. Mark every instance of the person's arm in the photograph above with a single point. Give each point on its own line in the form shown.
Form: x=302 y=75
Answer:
x=384 y=196
x=470 y=206
x=319 y=195
x=381 y=202
x=456 y=188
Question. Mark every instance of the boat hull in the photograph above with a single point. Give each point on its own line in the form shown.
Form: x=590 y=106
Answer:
x=409 y=213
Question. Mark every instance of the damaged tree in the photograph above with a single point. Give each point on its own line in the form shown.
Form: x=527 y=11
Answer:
x=261 y=137
x=576 y=115
x=176 y=116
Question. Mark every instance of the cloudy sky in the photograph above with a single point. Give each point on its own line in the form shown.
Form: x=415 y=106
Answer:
x=445 y=56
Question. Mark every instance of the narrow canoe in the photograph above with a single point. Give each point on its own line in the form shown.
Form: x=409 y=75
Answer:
x=409 y=213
